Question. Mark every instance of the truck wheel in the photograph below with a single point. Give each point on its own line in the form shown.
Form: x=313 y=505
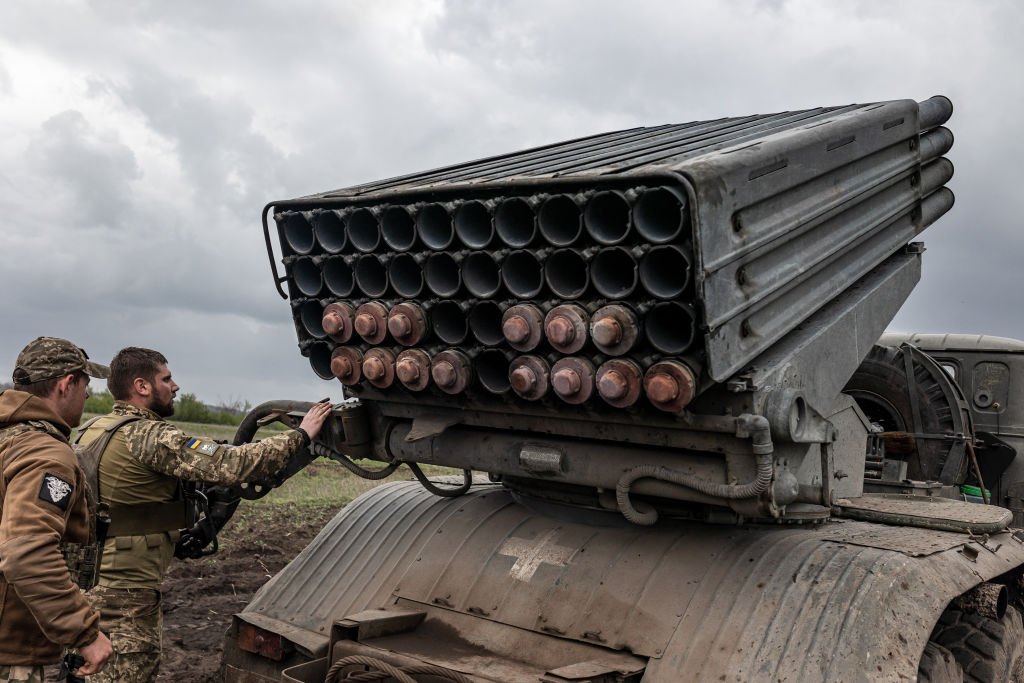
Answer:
x=880 y=388
x=938 y=665
x=987 y=649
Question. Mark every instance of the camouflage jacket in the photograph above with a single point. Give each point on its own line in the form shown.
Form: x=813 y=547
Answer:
x=42 y=503
x=143 y=464
x=166 y=449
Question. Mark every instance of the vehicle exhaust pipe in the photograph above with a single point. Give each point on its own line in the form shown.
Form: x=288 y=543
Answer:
x=364 y=230
x=307 y=276
x=329 y=227
x=397 y=228
x=671 y=326
x=473 y=224
x=572 y=379
x=339 y=276
x=449 y=321
x=407 y=323
x=320 y=359
x=665 y=271
x=492 y=369
x=405 y=273
x=530 y=377
x=298 y=231
x=379 y=367
x=371 y=322
x=412 y=367
x=485 y=322
x=614 y=271
x=565 y=327
x=339 y=321
x=566 y=272
x=515 y=222
x=620 y=382
x=614 y=329
x=452 y=371
x=606 y=217
x=481 y=272
x=660 y=215
x=522 y=326
x=560 y=220
x=435 y=227
x=523 y=273
x=346 y=363
x=670 y=385
x=443 y=273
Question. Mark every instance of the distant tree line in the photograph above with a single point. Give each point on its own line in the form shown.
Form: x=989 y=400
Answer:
x=187 y=408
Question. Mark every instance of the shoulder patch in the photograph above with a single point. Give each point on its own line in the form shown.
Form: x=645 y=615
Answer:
x=201 y=446
x=55 y=490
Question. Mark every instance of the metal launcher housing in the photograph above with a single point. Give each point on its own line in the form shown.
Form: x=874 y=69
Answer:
x=657 y=320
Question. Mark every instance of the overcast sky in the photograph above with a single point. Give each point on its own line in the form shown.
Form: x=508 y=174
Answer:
x=142 y=139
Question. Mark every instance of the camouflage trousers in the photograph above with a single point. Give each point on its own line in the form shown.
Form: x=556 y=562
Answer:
x=131 y=618
x=21 y=674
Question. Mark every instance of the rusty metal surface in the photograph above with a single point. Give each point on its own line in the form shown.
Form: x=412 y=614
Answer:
x=751 y=603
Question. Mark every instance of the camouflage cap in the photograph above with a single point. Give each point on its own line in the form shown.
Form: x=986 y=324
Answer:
x=50 y=357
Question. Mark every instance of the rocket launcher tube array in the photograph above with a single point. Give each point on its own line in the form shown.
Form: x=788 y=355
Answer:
x=589 y=287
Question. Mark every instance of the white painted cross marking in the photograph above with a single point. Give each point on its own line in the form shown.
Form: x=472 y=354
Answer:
x=531 y=554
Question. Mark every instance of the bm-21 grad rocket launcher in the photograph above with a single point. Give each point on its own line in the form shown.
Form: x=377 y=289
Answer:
x=642 y=338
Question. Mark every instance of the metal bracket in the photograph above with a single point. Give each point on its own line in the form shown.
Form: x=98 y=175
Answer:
x=429 y=426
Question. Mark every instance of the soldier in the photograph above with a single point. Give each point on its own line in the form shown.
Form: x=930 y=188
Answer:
x=143 y=476
x=43 y=512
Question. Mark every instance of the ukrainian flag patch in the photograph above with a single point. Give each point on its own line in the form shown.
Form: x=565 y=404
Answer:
x=193 y=444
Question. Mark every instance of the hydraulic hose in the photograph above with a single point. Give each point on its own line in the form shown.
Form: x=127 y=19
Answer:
x=323 y=451
x=758 y=429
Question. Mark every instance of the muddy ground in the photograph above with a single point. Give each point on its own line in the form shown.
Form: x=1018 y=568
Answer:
x=201 y=595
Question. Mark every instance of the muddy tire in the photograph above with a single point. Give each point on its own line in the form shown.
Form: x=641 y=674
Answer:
x=880 y=388
x=938 y=665
x=987 y=649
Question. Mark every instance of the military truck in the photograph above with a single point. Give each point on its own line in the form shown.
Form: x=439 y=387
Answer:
x=640 y=342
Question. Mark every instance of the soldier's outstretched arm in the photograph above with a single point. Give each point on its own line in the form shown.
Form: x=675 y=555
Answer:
x=164 y=448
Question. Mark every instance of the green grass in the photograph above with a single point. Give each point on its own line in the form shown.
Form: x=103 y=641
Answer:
x=326 y=482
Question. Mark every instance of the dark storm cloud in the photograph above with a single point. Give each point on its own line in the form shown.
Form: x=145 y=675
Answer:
x=144 y=139
x=97 y=170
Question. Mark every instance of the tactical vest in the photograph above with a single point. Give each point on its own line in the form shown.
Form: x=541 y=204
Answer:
x=144 y=524
x=82 y=559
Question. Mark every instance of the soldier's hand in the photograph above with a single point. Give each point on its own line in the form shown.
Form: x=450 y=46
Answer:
x=96 y=655
x=314 y=419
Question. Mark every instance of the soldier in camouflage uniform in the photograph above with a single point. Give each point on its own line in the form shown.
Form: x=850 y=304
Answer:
x=43 y=511
x=141 y=477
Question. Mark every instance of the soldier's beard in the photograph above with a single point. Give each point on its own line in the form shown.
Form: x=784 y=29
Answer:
x=163 y=409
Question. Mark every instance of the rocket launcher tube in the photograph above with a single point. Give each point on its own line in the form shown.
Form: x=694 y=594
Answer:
x=397 y=228
x=434 y=226
x=329 y=227
x=515 y=222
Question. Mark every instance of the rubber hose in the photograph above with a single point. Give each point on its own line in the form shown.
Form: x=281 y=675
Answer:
x=758 y=428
